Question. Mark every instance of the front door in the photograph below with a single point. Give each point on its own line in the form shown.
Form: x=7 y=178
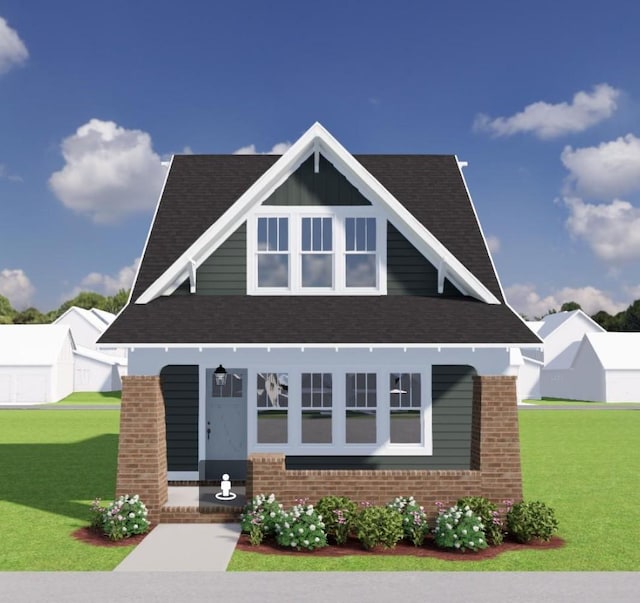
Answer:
x=226 y=426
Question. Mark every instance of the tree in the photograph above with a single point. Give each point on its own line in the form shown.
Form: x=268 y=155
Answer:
x=30 y=316
x=604 y=319
x=85 y=299
x=6 y=311
x=632 y=317
x=116 y=302
x=570 y=307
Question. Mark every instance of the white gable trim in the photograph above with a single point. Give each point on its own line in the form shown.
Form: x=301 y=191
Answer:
x=317 y=140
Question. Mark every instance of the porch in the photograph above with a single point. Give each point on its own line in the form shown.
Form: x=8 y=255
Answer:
x=193 y=502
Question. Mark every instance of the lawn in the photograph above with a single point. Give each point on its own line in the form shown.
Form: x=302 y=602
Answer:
x=584 y=464
x=53 y=464
x=570 y=403
x=91 y=398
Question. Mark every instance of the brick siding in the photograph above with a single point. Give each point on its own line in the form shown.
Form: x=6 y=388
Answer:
x=142 y=446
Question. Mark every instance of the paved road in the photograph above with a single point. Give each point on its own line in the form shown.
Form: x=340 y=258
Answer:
x=321 y=587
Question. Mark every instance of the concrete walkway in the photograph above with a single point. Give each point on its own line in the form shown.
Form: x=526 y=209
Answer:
x=184 y=547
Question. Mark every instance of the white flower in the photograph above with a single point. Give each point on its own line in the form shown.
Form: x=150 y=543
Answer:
x=471 y=543
x=132 y=515
x=469 y=513
x=306 y=542
x=272 y=514
x=135 y=526
x=317 y=539
x=457 y=545
x=300 y=530
x=286 y=525
x=312 y=527
x=464 y=532
x=475 y=528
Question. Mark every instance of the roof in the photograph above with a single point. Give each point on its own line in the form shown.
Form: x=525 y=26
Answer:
x=535 y=325
x=551 y=322
x=100 y=356
x=32 y=345
x=230 y=319
x=88 y=315
x=104 y=316
x=616 y=351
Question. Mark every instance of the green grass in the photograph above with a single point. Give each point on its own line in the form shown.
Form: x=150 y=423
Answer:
x=569 y=403
x=583 y=464
x=89 y=398
x=53 y=463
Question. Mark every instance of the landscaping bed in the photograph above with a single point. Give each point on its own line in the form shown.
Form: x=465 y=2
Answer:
x=428 y=549
x=95 y=537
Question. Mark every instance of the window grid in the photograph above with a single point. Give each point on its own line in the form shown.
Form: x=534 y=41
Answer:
x=317 y=261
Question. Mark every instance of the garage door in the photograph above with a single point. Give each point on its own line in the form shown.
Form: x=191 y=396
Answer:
x=31 y=388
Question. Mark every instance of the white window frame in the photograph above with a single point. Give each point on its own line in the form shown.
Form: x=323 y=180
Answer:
x=295 y=215
x=382 y=446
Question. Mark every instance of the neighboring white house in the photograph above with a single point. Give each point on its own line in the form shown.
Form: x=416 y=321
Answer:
x=36 y=363
x=604 y=368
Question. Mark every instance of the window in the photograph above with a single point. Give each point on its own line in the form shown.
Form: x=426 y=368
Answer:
x=317 y=252
x=316 y=402
x=360 y=252
x=273 y=248
x=360 y=407
x=272 y=406
x=405 y=408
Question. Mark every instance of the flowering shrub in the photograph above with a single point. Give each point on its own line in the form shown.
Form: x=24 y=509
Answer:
x=301 y=528
x=124 y=517
x=489 y=516
x=459 y=528
x=338 y=513
x=378 y=525
x=529 y=520
x=414 y=519
x=259 y=517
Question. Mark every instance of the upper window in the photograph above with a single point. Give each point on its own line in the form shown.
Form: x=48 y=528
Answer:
x=331 y=250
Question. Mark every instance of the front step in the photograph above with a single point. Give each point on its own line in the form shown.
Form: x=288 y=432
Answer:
x=200 y=514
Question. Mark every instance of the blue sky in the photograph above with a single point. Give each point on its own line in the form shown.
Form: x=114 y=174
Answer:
x=542 y=99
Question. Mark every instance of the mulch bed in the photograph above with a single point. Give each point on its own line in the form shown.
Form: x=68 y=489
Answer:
x=98 y=538
x=428 y=549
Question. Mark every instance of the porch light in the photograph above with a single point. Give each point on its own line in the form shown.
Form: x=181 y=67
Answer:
x=220 y=375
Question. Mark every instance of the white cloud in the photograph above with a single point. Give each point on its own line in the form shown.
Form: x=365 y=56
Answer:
x=612 y=230
x=16 y=287
x=12 y=49
x=524 y=299
x=549 y=121
x=110 y=172
x=493 y=243
x=278 y=149
x=107 y=284
x=605 y=171
x=5 y=174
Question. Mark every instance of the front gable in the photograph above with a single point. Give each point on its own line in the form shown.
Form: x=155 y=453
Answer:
x=314 y=172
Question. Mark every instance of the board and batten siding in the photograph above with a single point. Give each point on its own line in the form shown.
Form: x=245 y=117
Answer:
x=452 y=404
x=408 y=271
x=180 y=389
x=327 y=187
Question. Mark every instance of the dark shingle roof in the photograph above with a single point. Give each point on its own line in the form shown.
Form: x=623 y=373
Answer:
x=317 y=319
x=200 y=188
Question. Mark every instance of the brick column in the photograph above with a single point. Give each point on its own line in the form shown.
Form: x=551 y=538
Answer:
x=142 y=446
x=495 y=437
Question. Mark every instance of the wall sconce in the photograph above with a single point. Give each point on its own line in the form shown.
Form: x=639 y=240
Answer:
x=221 y=375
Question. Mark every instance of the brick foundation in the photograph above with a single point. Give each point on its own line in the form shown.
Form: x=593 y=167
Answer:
x=142 y=447
x=495 y=463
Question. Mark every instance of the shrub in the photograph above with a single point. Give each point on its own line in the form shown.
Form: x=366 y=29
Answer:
x=459 y=528
x=414 y=519
x=301 y=528
x=338 y=513
x=489 y=516
x=529 y=520
x=378 y=525
x=259 y=517
x=122 y=518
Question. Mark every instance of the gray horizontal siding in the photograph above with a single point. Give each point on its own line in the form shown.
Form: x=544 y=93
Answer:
x=327 y=187
x=452 y=393
x=180 y=390
x=225 y=271
x=408 y=271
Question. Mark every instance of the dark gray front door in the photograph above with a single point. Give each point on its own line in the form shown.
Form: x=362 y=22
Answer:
x=226 y=428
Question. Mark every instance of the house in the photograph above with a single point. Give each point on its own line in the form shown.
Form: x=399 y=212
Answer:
x=562 y=333
x=604 y=367
x=315 y=323
x=95 y=370
x=36 y=363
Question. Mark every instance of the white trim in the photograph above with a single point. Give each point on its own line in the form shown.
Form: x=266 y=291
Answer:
x=329 y=346
x=317 y=137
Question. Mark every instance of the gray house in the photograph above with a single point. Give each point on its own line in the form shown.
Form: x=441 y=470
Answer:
x=316 y=323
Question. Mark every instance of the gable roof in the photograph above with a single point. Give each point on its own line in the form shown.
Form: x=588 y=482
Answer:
x=87 y=315
x=554 y=321
x=106 y=317
x=32 y=345
x=100 y=356
x=316 y=141
x=616 y=351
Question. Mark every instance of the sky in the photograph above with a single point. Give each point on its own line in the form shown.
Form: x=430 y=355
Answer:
x=542 y=99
